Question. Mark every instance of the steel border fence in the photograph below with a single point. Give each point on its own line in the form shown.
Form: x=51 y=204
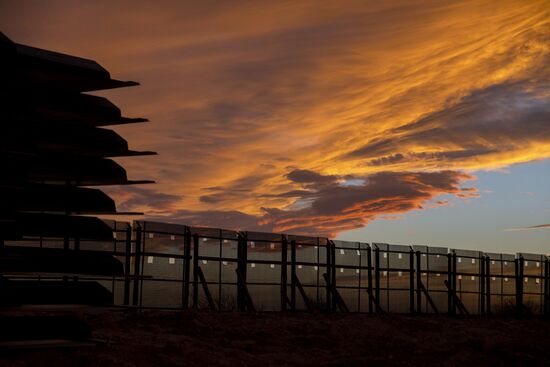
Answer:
x=233 y=270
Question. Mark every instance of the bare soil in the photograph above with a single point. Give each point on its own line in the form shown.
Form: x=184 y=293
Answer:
x=203 y=338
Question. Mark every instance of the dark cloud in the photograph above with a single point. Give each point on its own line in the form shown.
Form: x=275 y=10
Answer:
x=132 y=198
x=486 y=124
x=306 y=176
x=230 y=219
x=234 y=190
x=335 y=207
x=430 y=156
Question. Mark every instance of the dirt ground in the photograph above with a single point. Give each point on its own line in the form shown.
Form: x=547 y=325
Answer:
x=192 y=338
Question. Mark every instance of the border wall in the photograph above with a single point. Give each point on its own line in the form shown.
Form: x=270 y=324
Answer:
x=175 y=266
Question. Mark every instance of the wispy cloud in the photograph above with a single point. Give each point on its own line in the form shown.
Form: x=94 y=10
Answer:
x=261 y=112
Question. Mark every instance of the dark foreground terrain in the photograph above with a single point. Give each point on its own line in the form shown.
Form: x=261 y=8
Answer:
x=189 y=338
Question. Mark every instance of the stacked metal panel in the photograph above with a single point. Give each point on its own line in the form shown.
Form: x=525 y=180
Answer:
x=53 y=147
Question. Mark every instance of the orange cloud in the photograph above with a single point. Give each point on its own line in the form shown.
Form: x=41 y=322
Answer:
x=246 y=99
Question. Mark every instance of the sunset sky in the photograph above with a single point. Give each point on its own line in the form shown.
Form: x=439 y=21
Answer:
x=388 y=121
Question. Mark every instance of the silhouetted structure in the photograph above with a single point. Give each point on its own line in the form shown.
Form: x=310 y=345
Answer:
x=52 y=143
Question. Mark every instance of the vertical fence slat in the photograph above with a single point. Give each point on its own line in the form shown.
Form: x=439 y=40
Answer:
x=377 y=278
x=195 y=270
x=127 y=265
x=284 y=274
x=186 y=267
x=419 y=307
x=369 y=280
x=293 y=275
x=137 y=262
x=488 y=283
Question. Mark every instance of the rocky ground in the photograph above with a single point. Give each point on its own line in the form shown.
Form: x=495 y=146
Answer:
x=191 y=338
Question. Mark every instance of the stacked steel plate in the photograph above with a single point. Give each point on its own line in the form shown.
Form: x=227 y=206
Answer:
x=54 y=148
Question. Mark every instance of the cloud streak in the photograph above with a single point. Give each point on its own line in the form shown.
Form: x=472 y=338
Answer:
x=530 y=228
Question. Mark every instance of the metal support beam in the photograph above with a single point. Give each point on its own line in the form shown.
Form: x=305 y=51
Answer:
x=338 y=300
x=305 y=298
x=243 y=289
x=205 y=289
x=428 y=297
x=457 y=302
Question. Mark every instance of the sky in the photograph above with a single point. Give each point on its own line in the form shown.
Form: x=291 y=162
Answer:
x=391 y=121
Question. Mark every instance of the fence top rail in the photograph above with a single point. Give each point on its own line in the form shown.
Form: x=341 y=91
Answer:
x=306 y=240
x=532 y=257
x=227 y=237
x=467 y=253
x=167 y=228
x=263 y=236
x=385 y=247
x=500 y=257
x=350 y=245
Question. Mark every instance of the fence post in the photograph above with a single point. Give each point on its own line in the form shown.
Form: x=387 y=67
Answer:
x=547 y=282
x=449 y=272
x=418 y=281
x=369 y=279
x=241 y=268
x=518 y=262
x=137 y=263
x=195 y=270
x=452 y=283
x=293 y=275
x=333 y=274
x=482 y=296
x=186 y=267
x=127 y=264
x=488 y=283
x=377 y=277
x=546 y=288
x=411 y=281
x=329 y=276
x=284 y=274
